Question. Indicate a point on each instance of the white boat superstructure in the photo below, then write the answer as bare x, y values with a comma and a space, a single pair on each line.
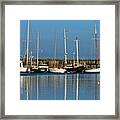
43, 66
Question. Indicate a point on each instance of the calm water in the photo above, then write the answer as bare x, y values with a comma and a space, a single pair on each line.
60, 87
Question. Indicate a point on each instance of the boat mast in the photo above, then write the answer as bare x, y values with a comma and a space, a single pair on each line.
73, 59
55, 47
31, 59
76, 44
38, 37
27, 47
95, 37
65, 53
96, 45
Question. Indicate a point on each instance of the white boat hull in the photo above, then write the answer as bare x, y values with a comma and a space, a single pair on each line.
57, 70
93, 70
23, 69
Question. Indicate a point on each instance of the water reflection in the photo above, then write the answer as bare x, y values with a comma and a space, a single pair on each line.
60, 87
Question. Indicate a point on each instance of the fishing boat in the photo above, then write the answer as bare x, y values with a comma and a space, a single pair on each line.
73, 68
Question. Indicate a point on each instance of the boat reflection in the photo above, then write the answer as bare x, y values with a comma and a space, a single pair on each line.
60, 87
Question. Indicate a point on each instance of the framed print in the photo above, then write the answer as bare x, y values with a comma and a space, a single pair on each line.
60, 59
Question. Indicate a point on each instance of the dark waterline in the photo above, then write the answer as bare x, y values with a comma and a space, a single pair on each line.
60, 86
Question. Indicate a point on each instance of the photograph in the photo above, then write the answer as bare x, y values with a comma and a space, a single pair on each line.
59, 59
60, 55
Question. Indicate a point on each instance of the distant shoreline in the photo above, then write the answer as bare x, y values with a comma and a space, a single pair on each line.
89, 63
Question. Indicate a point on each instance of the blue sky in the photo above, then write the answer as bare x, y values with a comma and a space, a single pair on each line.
48, 30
